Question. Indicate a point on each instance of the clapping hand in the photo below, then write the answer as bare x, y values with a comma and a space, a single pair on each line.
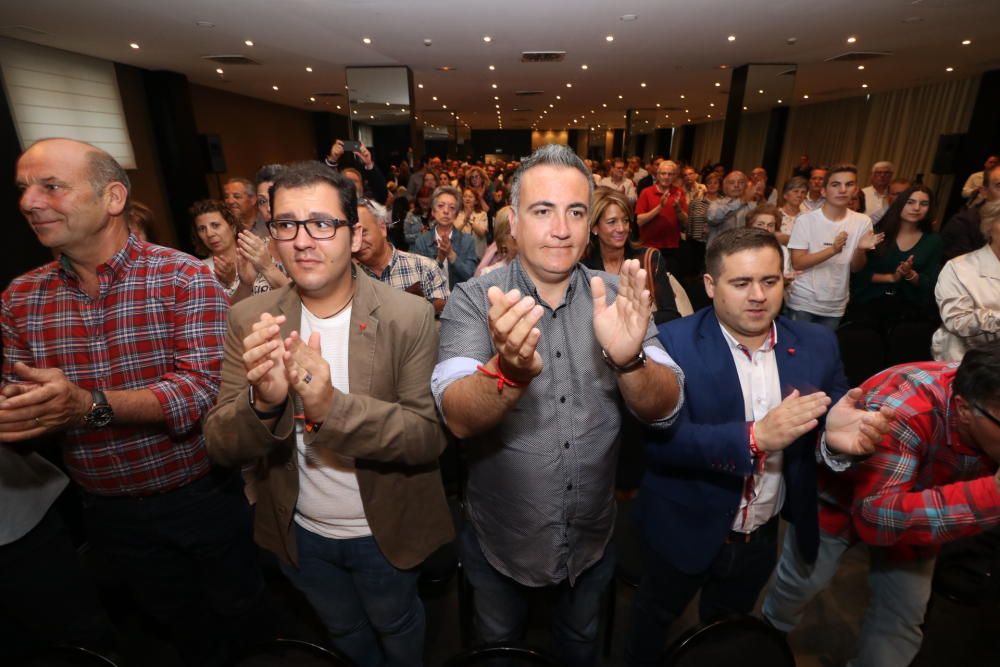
620, 328
254, 249
839, 241
905, 269
512, 320
853, 430
263, 352
308, 373
45, 401
870, 240
795, 416
225, 270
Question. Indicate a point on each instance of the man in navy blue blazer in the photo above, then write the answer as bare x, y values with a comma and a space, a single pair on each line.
743, 449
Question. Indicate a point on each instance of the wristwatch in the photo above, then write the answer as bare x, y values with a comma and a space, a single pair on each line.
638, 362
100, 414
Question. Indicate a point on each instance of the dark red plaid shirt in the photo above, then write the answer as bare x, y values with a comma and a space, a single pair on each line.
158, 324
923, 486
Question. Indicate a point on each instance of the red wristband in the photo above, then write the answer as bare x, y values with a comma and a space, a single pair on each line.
756, 451
500, 377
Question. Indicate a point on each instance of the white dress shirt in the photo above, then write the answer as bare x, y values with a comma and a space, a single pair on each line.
764, 491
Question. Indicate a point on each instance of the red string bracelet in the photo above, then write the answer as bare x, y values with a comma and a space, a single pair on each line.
755, 450
310, 426
500, 377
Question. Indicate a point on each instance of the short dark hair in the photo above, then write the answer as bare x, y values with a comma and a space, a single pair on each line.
838, 169
267, 173
310, 172
977, 379
732, 241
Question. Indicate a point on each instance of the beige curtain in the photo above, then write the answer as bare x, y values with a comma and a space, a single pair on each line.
750, 141
707, 144
828, 133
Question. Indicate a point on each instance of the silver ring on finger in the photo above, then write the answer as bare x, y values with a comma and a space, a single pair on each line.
308, 377
38, 421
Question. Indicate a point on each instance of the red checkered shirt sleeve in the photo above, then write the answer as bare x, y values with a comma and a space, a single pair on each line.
921, 487
188, 392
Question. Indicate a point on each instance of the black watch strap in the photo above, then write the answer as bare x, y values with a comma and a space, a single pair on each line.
638, 362
265, 414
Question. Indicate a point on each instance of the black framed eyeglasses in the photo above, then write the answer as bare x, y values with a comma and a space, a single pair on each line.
981, 410
318, 228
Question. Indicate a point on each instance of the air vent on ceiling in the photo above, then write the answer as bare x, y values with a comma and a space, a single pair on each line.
231, 59
854, 56
328, 94
528, 93
543, 56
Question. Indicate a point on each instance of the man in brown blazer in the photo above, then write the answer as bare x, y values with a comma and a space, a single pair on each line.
326, 388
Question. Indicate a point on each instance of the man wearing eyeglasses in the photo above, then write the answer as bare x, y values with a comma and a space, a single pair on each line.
932, 479
326, 385
454, 251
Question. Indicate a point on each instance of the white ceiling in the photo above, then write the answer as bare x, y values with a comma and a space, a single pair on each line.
676, 48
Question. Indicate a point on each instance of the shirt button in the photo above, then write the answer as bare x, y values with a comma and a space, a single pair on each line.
566, 445
554, 316
562, 399
569, 487
558, 354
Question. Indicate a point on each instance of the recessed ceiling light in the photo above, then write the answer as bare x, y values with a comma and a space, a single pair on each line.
709, 115
372, 117
717, 84
487, 39
583, 67
248, 42
711, 104
219, 70
687, 111
744, 108
604, 105
610, 38
498, 106
569, 85
666, 115
444, 106
434, 97
779, 101
723, 66
366, 40
420, 85
552, 106
492, 68
275, 87
864, 85
558, 97
861, 66
731, 38
134, 45
620, 97
805, 97
338, 106
312, 99
966, 42
387, 104
949, 69
852, 39
355, 111
682, 97
309, 69
657, 105
496, 97
643, 84
494, 85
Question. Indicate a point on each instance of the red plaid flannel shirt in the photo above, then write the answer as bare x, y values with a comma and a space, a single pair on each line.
158, 324
922, 487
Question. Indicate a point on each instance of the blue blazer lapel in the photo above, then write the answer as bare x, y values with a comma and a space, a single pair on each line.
717, 359
793, 362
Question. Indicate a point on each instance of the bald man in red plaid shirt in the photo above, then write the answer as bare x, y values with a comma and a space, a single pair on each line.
933, 479
117, 347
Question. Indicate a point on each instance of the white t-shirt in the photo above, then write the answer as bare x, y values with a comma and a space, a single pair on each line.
329, 501
873, 200
824, 289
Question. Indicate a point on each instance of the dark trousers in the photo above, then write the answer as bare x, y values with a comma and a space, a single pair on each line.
730, 585
502, 604
45, 596
190, 562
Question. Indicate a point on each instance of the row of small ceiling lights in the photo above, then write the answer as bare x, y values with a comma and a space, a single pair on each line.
367, 41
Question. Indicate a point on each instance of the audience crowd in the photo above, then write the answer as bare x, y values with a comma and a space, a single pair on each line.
581, 332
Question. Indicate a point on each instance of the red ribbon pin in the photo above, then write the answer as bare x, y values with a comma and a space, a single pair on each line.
791, 351
362, 326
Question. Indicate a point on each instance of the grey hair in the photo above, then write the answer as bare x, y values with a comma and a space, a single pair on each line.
445, 190
103, 170
555, 155
247, 184
380, 212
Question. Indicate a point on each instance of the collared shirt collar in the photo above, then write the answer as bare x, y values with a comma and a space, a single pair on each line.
116, 267
769, 343
527, 286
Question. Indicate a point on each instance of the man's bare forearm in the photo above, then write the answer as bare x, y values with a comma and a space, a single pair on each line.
651, 392
473, 405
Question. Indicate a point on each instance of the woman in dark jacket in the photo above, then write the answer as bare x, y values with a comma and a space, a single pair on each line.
611, 226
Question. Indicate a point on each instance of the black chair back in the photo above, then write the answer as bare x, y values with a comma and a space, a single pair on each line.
293, 653
508, 655
740, 640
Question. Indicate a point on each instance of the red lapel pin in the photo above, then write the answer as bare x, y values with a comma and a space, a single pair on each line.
791, 351
362, 326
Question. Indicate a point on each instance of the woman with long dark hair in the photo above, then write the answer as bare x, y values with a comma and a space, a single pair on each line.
897, 283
